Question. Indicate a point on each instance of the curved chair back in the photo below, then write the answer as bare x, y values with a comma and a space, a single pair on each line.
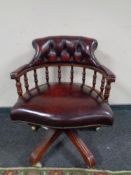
64, 51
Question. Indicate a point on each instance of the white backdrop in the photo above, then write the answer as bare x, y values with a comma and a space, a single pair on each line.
108, 21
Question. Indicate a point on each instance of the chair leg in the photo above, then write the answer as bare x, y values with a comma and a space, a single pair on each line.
82, 148
40, 150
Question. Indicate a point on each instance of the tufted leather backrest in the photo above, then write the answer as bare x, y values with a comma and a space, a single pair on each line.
64, 49
59, 51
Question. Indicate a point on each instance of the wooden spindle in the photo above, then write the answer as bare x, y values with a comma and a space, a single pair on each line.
47, 75
26, 82
72, 74
102, 85
59, 74
94, 79
83, 76
19, 87
35, 78
107, 90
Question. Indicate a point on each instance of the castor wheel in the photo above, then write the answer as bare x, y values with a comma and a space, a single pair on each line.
94, 128
38, 165
34, 128
44, 127
98, 128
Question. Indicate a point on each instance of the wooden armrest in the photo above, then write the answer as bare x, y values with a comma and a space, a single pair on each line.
15, 74
109, 74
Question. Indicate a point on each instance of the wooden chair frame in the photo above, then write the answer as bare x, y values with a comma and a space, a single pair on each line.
64, 51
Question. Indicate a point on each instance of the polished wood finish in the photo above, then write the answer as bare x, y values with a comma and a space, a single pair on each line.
72, 73
19, 87
63, 51
59, 74
51, 136
26, 82
82, 148
102, 85
107, 91
40, 150
94, 79
35, 78
47, 74
83, 76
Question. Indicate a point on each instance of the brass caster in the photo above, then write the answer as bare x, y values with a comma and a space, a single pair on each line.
44, 127
38, 165
97, 128
33, 128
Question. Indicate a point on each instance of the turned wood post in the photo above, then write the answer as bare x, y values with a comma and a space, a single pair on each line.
107, 90
19, 87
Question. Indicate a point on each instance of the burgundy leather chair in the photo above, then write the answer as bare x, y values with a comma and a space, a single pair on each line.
63, 106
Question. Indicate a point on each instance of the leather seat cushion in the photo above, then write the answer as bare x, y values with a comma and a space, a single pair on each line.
62, 105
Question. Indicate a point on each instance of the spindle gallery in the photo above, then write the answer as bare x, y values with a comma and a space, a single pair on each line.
63, 106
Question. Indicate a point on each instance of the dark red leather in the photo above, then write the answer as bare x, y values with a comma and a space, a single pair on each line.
64, 49
62, 105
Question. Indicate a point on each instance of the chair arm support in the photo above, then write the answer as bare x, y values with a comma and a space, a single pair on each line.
15, 74
110, 79
109, 74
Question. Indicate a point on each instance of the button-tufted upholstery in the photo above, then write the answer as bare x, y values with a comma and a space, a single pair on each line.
60, 106
65, 49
